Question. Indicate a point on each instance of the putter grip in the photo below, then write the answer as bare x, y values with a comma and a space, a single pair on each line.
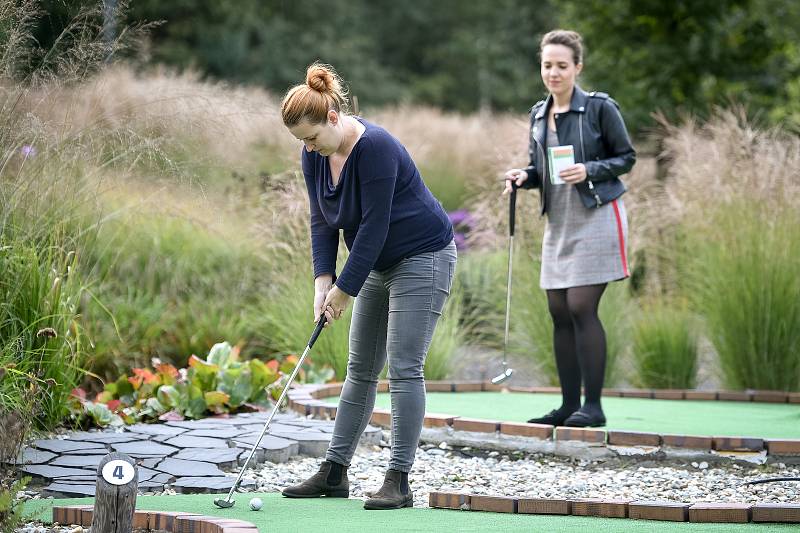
512, 209
317, 331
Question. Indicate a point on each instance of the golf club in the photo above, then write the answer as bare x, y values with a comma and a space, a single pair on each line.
512, 208
227, 501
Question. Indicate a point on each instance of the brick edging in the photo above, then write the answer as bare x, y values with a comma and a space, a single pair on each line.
320, 391
170, 522
609, 508
308, 400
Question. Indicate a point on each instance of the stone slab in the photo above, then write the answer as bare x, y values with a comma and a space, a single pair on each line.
209, 484
184, 441
156, 429
313, 443
218, 456
143, 448
78, 461
268, 442
66, 445
69, 490
105, 437
217, 433
181, 467
205, 423
58, 472
150, 462
32, 456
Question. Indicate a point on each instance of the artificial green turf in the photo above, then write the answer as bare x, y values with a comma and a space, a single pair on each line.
342, 516
712, 418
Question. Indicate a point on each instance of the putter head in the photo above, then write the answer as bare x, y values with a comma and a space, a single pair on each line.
224, 503
502, 377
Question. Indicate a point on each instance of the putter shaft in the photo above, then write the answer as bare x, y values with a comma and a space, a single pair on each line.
297, 367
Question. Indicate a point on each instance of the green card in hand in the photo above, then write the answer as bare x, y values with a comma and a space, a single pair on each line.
559, 158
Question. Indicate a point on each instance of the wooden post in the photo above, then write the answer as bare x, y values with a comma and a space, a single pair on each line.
115, 497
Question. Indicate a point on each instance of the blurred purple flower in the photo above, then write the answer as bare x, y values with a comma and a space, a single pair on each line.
461, 217
462, 222
28, 150
460, 240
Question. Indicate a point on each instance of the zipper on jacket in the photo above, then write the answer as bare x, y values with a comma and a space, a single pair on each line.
544, 161
583, 155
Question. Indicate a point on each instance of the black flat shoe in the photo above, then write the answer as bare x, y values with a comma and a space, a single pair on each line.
586, 419
556, 417
330, 481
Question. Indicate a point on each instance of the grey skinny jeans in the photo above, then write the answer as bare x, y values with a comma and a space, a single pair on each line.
394, 316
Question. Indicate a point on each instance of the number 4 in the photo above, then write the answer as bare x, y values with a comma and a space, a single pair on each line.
118, 472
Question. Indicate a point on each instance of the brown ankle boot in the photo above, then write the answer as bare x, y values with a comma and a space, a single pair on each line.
331, 481
391, 495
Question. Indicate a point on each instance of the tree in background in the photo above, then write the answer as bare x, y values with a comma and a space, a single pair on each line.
452, 54
685, 56
681, 56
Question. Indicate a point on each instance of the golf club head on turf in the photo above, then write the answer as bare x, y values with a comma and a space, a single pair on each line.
224, 503
502, 377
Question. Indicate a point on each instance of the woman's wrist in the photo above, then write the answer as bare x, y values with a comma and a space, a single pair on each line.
323, 282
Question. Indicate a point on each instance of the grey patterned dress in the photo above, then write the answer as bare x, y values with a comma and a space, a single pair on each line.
581, 246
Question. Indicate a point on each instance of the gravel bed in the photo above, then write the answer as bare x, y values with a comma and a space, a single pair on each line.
469, 470
463, 469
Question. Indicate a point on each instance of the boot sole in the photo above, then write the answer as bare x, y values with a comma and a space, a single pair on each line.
401, 505
593, 425
331, 494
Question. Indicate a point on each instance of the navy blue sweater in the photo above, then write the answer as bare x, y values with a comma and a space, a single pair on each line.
382, 205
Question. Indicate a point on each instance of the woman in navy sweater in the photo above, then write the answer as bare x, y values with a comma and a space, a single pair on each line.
362, 181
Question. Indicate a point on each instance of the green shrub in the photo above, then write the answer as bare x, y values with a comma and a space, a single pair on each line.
746, 286
449, 188
168, 287
615, 311
664, 348
481, 281
283, 316
531, 324
39, 296
11, 509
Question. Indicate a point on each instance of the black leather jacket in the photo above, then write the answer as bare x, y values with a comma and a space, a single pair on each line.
594, 127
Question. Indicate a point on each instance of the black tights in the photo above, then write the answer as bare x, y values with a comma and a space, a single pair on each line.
579, 342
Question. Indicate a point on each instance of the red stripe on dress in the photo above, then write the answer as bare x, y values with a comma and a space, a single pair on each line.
621, 236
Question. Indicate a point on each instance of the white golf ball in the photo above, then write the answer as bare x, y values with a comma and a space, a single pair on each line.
255, 504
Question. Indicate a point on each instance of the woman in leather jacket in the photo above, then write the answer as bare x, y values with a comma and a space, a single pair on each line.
584, 245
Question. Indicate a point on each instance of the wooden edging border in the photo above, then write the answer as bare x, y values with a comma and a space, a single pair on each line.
169, 522
607, 508
308, 400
